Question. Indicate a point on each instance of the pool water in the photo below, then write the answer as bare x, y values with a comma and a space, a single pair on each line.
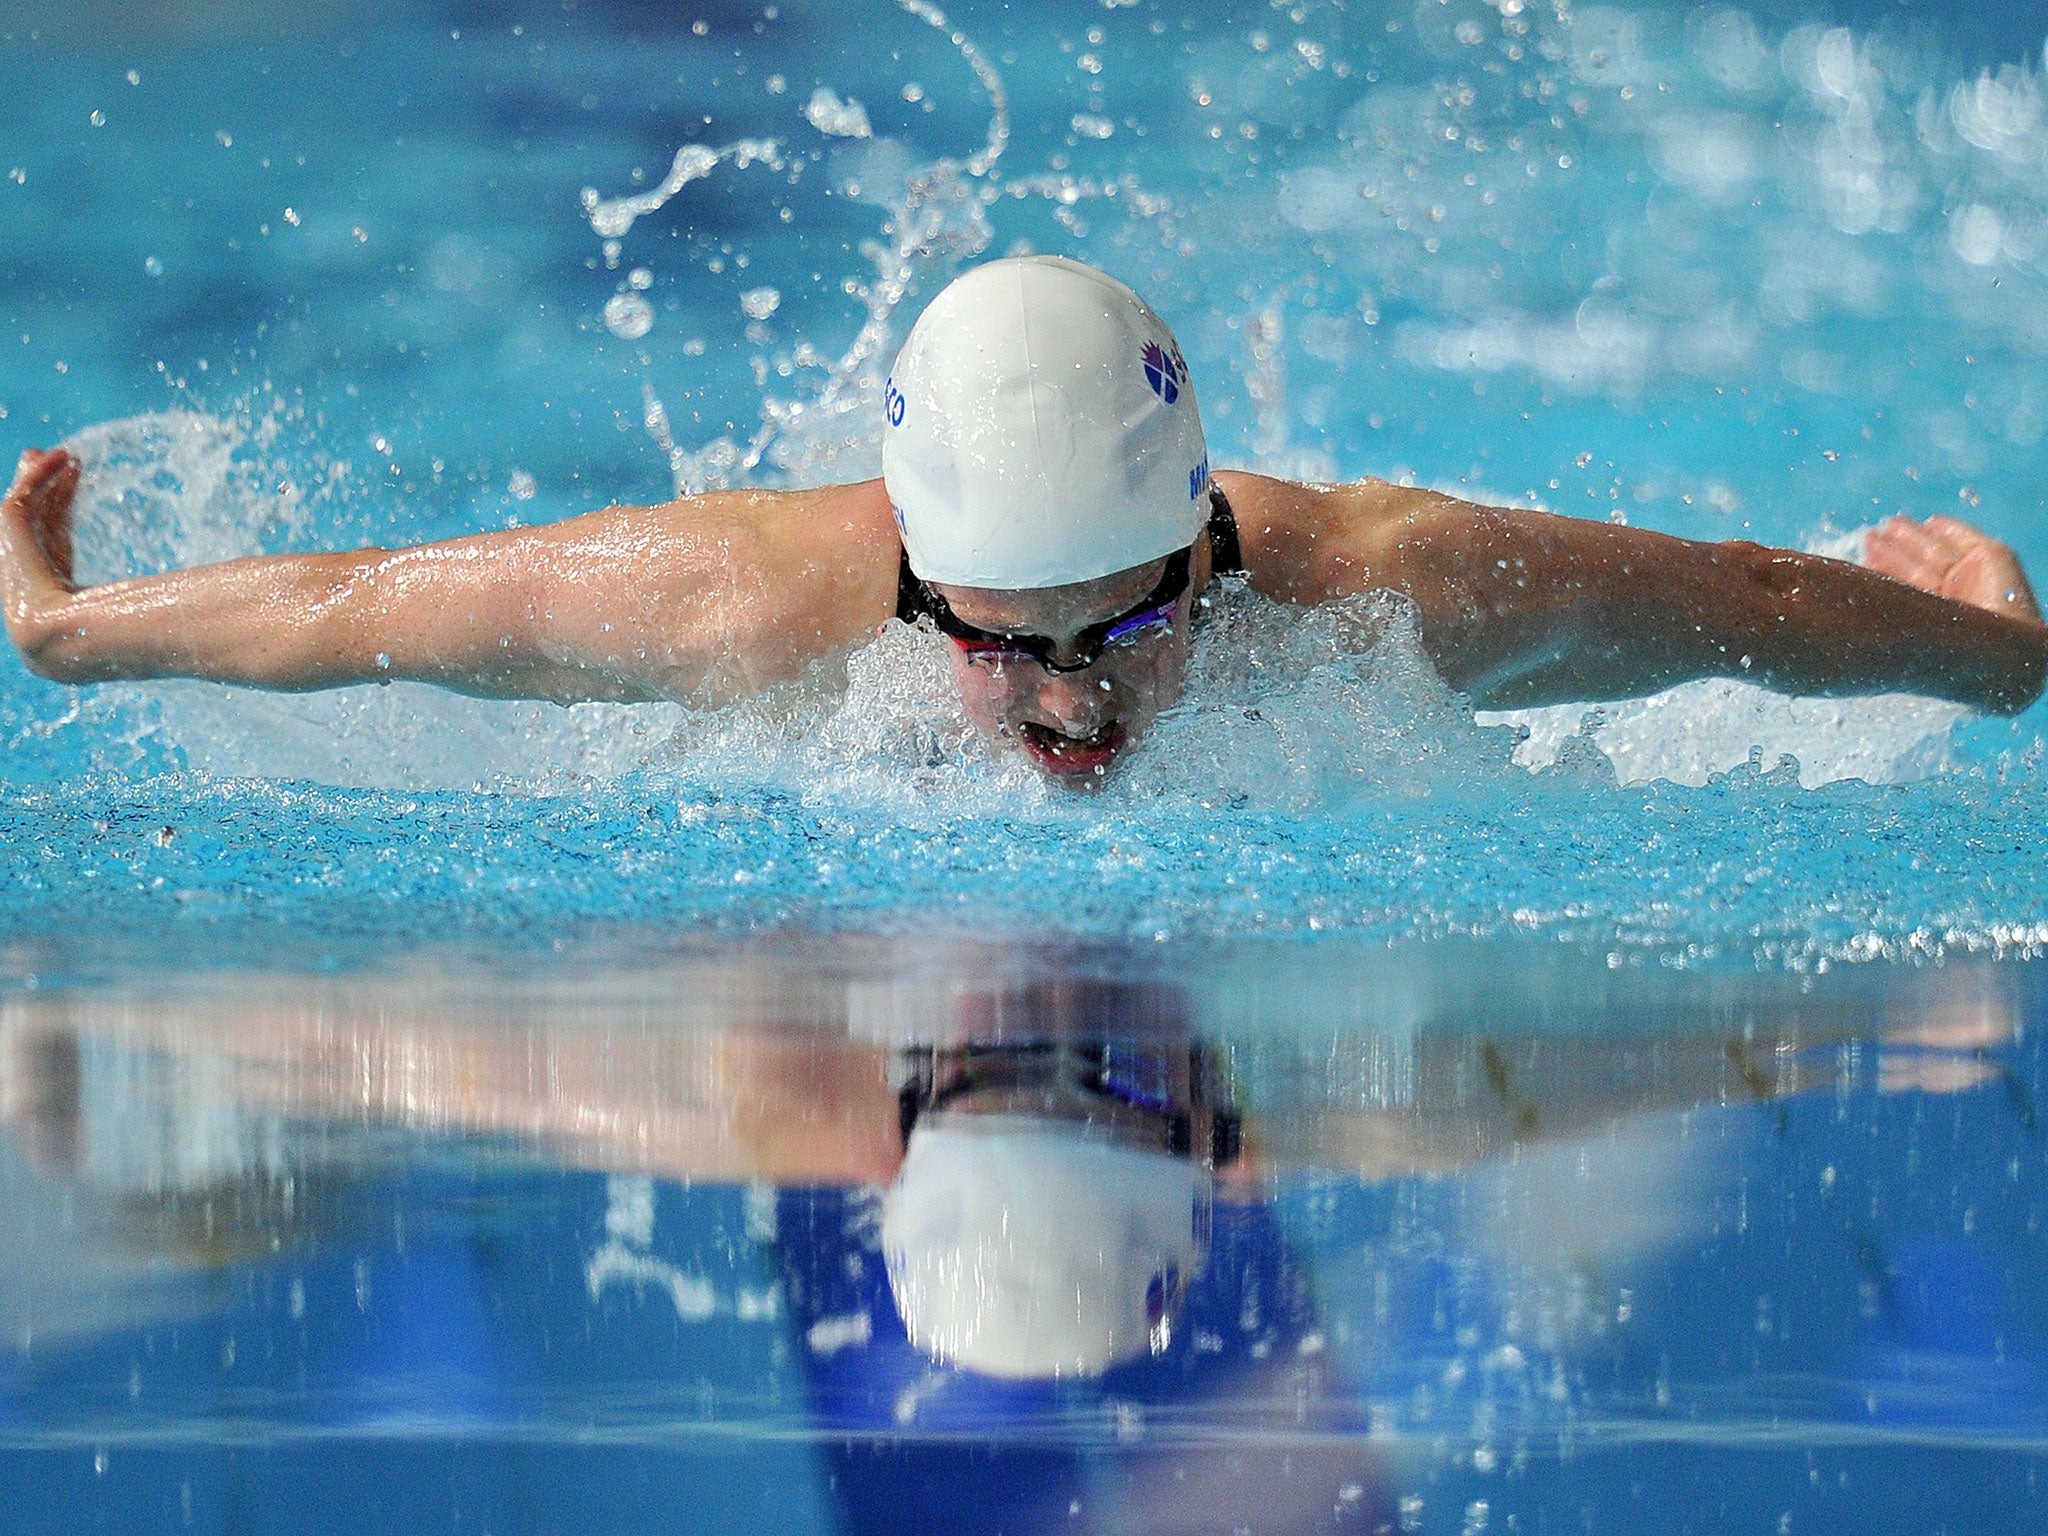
326, 277
439, 1248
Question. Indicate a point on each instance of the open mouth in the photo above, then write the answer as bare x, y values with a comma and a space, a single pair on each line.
1068, 756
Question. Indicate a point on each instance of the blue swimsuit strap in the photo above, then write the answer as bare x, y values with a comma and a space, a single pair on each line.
1226, 558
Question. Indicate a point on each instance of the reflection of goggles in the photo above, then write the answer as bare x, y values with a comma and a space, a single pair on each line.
1153, 611
1118, 1076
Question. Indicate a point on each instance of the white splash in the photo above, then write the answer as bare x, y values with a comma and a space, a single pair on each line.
612, 218
180, 488
835, 118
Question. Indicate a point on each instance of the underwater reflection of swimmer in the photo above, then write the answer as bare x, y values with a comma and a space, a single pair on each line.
129, 1177
1046, 503
1004, 1242
196, 1088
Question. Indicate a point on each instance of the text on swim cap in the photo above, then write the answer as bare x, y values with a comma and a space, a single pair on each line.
893, 402
1198, 478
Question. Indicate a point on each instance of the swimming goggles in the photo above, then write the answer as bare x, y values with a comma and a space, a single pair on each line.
1153, 611
1115, 1077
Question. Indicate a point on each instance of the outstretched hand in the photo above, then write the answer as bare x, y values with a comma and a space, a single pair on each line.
35, 534
35, 549
1949, 558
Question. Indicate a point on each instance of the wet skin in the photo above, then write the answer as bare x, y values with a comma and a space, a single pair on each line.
1073, 725
722, 596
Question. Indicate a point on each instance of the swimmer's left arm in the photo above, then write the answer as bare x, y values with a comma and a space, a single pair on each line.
1521, 608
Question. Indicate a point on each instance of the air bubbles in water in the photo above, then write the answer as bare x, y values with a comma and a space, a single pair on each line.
522, 486
628, 316
760, 303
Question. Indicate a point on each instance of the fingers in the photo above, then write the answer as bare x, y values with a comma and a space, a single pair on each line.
1936, 1073
41, 474
1942, 538
1907, 551
37, 459
1932, 549
38, 505
1957, 538
1950, 558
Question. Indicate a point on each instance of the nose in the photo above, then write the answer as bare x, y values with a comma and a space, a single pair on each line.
1076, 702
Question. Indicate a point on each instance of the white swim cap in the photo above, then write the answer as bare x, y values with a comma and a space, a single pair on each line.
1041, 429
1031, 1248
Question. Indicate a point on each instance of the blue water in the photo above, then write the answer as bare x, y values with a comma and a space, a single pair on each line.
321, 277
428, 1249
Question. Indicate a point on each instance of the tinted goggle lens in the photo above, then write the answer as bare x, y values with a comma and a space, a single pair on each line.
1154, 610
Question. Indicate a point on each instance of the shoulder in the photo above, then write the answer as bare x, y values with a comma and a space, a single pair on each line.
826, 557
853, 518
1308, 543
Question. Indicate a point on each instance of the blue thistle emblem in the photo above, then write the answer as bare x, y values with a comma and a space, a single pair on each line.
1164, 371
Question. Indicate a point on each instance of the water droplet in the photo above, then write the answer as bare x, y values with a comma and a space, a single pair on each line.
383, 661
227, 140
522, 485
628, 316
836, 118
291, 217
98, 118
760, 303
641, 278
134, 77
152, 266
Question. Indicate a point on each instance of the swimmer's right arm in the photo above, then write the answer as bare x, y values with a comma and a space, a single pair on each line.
689, 601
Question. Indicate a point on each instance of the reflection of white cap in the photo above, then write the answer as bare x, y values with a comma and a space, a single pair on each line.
1041, 429
1023, 1247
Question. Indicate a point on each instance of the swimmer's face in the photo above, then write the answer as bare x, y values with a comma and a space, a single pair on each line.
1072, 725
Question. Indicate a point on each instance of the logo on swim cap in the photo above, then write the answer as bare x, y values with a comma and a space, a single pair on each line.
893, 402
1164, 371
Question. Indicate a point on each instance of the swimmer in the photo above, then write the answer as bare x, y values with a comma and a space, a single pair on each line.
1046, 504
